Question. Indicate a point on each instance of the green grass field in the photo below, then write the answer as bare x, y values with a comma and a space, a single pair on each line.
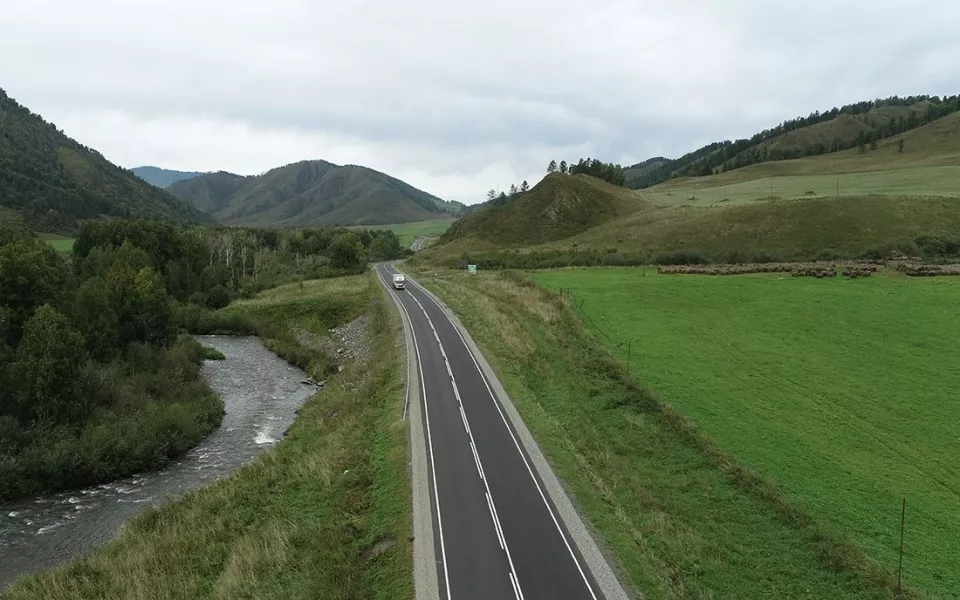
408, 232
921, 181
61, 244
682, 519
840, 391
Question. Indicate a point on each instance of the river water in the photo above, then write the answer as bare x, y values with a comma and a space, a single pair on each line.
261, 393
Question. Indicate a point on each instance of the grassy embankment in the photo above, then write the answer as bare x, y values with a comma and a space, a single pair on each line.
325, 513
837, 390
683, 518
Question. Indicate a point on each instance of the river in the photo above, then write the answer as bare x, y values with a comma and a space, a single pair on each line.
261, 394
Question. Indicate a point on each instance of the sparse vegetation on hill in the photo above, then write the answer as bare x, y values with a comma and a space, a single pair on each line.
55, 183
853, 126
556, 208
311, 194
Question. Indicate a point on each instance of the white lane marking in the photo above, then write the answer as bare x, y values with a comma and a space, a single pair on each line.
456, 393
516, 586
493, 515
516, 443
433, 469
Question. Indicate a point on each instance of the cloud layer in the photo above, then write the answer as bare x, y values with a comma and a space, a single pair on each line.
454, 97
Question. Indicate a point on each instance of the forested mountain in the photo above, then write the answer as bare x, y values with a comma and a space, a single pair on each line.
309, 194
856, 125
54, 182
163, 178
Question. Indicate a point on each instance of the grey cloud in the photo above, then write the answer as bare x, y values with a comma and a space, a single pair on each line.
454, 91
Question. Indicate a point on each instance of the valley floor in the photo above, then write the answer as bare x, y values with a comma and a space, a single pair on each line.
681, 516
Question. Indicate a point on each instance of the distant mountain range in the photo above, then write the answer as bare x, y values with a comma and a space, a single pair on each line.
311, 193
163, 178
54, 182
860, 125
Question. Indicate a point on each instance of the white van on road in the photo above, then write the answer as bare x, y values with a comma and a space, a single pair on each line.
398, 281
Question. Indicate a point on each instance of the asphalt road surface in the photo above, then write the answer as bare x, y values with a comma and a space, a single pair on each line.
497, 534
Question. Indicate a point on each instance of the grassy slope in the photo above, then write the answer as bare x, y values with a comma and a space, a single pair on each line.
795, 229
682, 519
934, 144
297, 521
836, 389
914, 182
885, 197
557, 207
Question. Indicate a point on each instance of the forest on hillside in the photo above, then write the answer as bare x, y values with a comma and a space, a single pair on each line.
728, 155
55, 182
98, 378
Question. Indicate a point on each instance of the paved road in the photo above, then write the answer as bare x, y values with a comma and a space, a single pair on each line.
496, 533
417, 244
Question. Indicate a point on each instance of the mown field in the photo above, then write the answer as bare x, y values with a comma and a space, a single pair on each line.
921, 181
683, 519
839, 391
408, 232
323, 514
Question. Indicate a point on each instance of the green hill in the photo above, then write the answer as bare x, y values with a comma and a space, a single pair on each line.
309, 194
163, 178
888, 197
853, 126
54, 182
556, 208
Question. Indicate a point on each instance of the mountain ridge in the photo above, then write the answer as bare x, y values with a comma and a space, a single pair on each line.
54, 182
163, 178
311, 193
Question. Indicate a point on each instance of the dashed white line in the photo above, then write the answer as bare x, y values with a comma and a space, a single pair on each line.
426, 414
466, 423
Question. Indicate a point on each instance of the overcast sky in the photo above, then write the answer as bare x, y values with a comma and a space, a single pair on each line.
455, 97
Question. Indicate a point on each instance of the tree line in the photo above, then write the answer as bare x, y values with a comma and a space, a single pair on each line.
92, 356
728, 155
609, 172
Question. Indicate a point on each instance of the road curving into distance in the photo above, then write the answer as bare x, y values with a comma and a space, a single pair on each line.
501, 525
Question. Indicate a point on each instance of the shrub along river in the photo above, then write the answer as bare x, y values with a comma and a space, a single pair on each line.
261, 394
